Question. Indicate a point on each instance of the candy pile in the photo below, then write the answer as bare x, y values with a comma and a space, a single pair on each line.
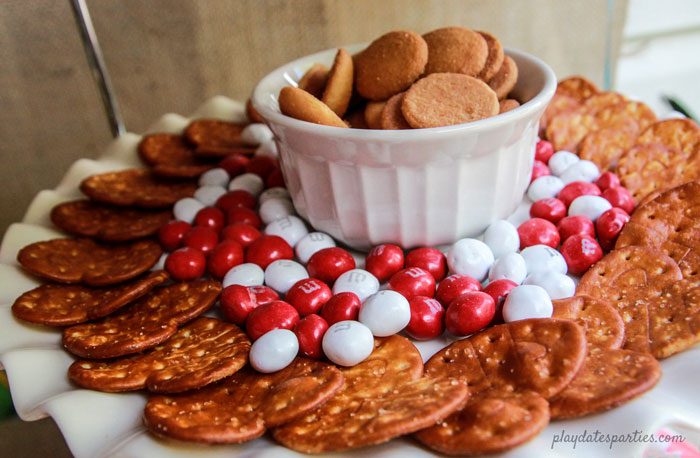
403, 80
573, 204
294, 291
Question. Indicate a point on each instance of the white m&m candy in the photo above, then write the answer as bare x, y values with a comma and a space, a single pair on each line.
267, 149
290, 228
248, 182
209, 194
274, 209
214, 177
247, 274
544, 187
385, 313
256, 133
357, 281
277, 193
543, 258
527, 301
348, 343
186, 209
581, 171
557, 285
281, 275
274, 350
470, 257
510, 267
311, 243
560, 161
502, 237
589, 206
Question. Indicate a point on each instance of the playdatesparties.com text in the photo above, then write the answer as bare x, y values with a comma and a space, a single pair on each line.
597, 436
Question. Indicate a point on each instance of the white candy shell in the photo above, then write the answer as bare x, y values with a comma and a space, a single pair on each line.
470, 257
281, 275
581, 171
510, 267
247, 182
527, 301
290, 228
274, 209
209, 194
215, 177
385, 313
357, 281
589, 206
348, 343
274, 350
312, 243
256, 134
557, 285
186, 209
560, 161
247, 274
543, 258
544, 187
502, 238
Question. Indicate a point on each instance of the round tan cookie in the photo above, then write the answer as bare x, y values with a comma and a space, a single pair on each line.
299, 104
456, 50
373, 114
314, 80
444, 99
391, 117
504, 80
390, 64
577, 87
507, 105
339, 86
495, 57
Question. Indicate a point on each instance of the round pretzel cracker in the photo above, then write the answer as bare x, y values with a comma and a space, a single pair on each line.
201, 352
597, 102
338, 90
560, 103
490, 424
608, 379
444, 99
241, 407
169, 156
85, 218
390, 64
299, 104
456, 50
598, 317
143, 325
682, 135
495, 57
383, 397
314, 80
604, 147
577, 87
633, 278
505, 78
135, 188
65, 305
87, 262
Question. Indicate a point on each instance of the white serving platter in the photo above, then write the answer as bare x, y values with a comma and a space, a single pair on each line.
110, 425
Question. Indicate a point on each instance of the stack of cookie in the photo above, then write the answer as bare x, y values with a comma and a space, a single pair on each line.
402, 80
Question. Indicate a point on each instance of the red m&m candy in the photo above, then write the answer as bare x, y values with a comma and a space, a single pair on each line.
201, 238
454, 286
469, 313
262, 166
273, 315
539, 169
171, 234
267, 249
538, 231
427, 318
499, 290
621, 198
210, 217
341, 307
235, 199
430, 259
551, 209
413, 281
186, 264
329, 264
234, 164
580, 253
607, 180
243, 233
308, 295
243, 215
609, 225
236, 303
383, 261
571, 191
575, 225
543, 151
263, 294
310, 331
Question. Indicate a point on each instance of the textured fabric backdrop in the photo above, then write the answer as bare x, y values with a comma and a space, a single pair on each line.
170, 55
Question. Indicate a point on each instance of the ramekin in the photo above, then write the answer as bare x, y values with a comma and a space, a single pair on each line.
420, 187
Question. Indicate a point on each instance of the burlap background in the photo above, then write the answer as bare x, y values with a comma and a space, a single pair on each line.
170, 55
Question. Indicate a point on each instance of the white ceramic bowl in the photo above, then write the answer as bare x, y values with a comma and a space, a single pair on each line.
409, 187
